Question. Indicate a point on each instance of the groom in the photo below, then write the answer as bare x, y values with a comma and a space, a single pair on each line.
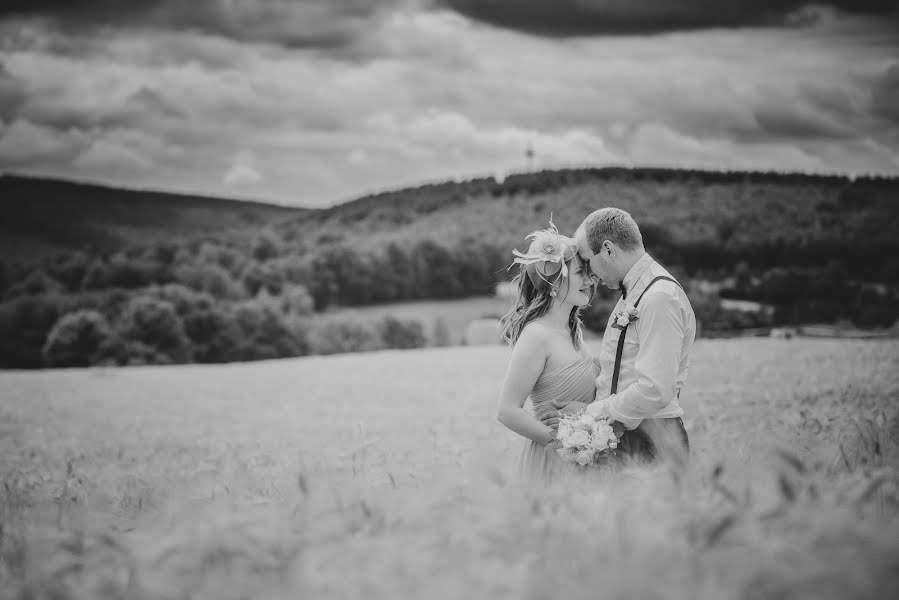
643, 373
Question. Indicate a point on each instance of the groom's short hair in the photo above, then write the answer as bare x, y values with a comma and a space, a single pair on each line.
612, 224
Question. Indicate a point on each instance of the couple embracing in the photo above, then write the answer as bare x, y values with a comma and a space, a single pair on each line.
633, 385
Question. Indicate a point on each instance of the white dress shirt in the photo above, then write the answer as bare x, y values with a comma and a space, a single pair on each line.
656, 353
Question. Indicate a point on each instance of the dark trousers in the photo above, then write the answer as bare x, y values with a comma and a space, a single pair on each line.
654, 439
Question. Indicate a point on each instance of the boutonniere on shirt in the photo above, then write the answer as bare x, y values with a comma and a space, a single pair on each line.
625, 316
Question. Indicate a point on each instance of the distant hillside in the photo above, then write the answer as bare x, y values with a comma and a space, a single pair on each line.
44, 216
751, 215
766, 218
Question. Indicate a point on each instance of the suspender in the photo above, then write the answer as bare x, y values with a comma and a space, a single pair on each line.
624, 332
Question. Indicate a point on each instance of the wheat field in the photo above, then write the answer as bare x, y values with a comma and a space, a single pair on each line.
386, 475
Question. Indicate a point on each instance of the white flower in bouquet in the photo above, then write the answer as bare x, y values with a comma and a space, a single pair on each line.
578, 438
584, 457
568, 455
603, 437
601, 429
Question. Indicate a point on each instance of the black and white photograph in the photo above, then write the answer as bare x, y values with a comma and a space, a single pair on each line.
452, 299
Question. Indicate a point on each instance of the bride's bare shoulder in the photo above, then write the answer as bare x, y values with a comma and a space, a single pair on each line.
535, 331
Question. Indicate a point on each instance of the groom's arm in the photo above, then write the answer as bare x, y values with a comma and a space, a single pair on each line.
660, 331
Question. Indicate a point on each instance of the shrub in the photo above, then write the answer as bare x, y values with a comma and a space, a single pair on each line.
184, 299
890, 271
78, 339
873, 309
155, 323
264, 333
231, 260
213, 335
297, 269
97, 276
4, 278
257, 276
210, 278
266, 246
71, 270
132, 273
25, 323
297, 300
269, 302
440, 336
335, 335
299, 328
163, 253
210, 330
109, 303
396, 333
36, 282
135, 353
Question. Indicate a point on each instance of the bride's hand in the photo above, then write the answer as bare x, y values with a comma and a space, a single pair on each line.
569, 408
550, 418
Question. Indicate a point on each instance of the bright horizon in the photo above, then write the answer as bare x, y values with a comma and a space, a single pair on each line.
275, 202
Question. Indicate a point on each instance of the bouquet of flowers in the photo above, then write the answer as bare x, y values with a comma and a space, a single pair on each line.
587, 435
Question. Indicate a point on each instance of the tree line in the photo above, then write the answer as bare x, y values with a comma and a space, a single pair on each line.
219, 301
213, 302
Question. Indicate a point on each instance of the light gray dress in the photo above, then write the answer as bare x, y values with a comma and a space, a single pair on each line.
569, 383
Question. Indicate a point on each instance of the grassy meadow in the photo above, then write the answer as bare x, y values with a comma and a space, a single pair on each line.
386, 475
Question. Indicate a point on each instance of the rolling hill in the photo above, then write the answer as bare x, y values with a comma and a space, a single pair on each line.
46, 216
748, 214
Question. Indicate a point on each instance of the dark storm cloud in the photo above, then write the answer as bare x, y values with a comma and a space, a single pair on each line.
77, 7
784, 121
299, 23
12, 94
828, 99
885, 95
584, 17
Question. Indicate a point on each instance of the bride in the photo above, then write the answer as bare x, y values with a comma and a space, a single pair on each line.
549, 362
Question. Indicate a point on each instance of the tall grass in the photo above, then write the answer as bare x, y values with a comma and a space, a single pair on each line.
797, 496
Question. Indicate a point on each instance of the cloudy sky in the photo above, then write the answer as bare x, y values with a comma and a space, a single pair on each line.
312, 102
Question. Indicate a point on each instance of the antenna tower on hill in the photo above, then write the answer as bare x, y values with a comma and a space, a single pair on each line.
529, 157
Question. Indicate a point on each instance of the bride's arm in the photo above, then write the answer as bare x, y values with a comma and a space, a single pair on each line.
528, 359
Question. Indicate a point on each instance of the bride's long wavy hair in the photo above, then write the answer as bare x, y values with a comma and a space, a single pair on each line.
533, 301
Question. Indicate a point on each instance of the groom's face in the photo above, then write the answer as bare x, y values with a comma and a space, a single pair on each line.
600, 264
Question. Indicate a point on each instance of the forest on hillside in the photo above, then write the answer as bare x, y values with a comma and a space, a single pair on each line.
95, 275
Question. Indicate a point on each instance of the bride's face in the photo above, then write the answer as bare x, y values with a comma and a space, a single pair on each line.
580, 284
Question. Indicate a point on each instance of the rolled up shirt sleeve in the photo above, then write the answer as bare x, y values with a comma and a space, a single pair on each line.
660, 329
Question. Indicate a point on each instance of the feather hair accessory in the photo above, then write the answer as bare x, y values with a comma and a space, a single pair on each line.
547, 255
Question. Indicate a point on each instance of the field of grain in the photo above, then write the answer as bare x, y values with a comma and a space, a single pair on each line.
386, 475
